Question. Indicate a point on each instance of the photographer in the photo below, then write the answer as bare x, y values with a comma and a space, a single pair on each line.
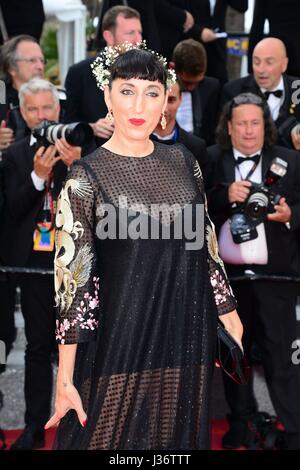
32, 181
242, 165
21, 59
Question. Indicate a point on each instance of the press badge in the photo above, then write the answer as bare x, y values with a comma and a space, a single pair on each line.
43, 237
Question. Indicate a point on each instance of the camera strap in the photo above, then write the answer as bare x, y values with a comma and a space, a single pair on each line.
250, 173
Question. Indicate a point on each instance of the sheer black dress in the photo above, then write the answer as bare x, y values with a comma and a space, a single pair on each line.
142, 308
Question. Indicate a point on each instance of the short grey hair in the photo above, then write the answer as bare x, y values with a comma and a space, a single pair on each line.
36, 85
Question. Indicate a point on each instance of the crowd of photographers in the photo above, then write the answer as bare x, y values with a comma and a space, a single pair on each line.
246, 138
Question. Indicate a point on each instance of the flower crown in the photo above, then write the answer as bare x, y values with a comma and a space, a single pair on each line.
102, 64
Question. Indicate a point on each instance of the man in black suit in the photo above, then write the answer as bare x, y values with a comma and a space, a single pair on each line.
283, 17
169, 132
148, 19
85, 102
267, 307
209, 18
200, 98
270, 81
32, 181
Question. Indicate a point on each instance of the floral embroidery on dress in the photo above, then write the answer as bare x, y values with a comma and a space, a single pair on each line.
224, 298
220, 287
85, 318
212, 245
69, 274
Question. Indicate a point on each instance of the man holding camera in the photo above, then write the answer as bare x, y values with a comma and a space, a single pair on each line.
263, 258
32, 181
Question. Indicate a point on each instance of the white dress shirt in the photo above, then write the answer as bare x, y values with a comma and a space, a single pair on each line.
212, 7
253, 251
38, 182
274, 102
184, 115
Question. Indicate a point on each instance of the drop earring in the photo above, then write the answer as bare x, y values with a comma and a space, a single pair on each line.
163, 121
110, 116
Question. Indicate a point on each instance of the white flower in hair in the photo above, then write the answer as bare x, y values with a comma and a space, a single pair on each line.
102, 64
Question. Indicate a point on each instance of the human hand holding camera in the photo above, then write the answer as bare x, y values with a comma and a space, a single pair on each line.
103, 128
6, 136
295, 136
282, 212
44, 161
68, 153
239, 191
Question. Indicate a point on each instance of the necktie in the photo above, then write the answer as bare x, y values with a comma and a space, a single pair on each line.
254, 159
277, 93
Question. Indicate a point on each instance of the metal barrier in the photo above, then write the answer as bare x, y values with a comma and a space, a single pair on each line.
18, 270
245, 277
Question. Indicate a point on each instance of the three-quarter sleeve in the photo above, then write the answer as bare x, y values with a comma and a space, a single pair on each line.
75, 264
224, 298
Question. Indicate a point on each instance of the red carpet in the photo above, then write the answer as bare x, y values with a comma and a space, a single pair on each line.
219, 428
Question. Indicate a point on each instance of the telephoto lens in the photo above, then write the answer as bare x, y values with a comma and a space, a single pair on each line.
76, 133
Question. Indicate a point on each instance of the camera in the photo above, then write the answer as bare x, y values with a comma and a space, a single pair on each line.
76, 133
260, 202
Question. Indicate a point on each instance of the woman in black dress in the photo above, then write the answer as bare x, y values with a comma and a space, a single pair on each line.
137, 300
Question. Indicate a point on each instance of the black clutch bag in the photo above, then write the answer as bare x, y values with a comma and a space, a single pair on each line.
230, 357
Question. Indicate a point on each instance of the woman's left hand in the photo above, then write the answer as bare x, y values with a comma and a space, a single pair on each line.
233, 325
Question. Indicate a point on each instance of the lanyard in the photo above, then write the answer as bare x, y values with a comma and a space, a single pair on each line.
250, 173
47, 208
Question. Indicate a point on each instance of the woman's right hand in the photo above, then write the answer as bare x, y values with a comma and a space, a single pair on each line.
67, 398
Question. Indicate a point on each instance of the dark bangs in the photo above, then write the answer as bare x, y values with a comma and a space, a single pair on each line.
141, 64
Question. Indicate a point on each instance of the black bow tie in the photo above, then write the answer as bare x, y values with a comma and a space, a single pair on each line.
254, 159
277, 93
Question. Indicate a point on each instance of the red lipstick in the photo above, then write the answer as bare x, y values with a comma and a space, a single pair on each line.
137, 122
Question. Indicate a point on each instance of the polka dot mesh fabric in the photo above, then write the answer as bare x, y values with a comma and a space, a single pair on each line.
143, 312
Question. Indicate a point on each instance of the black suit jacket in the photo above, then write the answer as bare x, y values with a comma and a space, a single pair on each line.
172, 17
283, 17
85, 101
282, 243
205, 102
289, 114
22, 203
23, 17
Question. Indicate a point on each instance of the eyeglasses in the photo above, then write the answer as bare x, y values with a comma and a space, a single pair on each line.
33, 60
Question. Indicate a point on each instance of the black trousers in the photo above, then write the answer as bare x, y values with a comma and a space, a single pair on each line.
268, 312
37, 303
7, 309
